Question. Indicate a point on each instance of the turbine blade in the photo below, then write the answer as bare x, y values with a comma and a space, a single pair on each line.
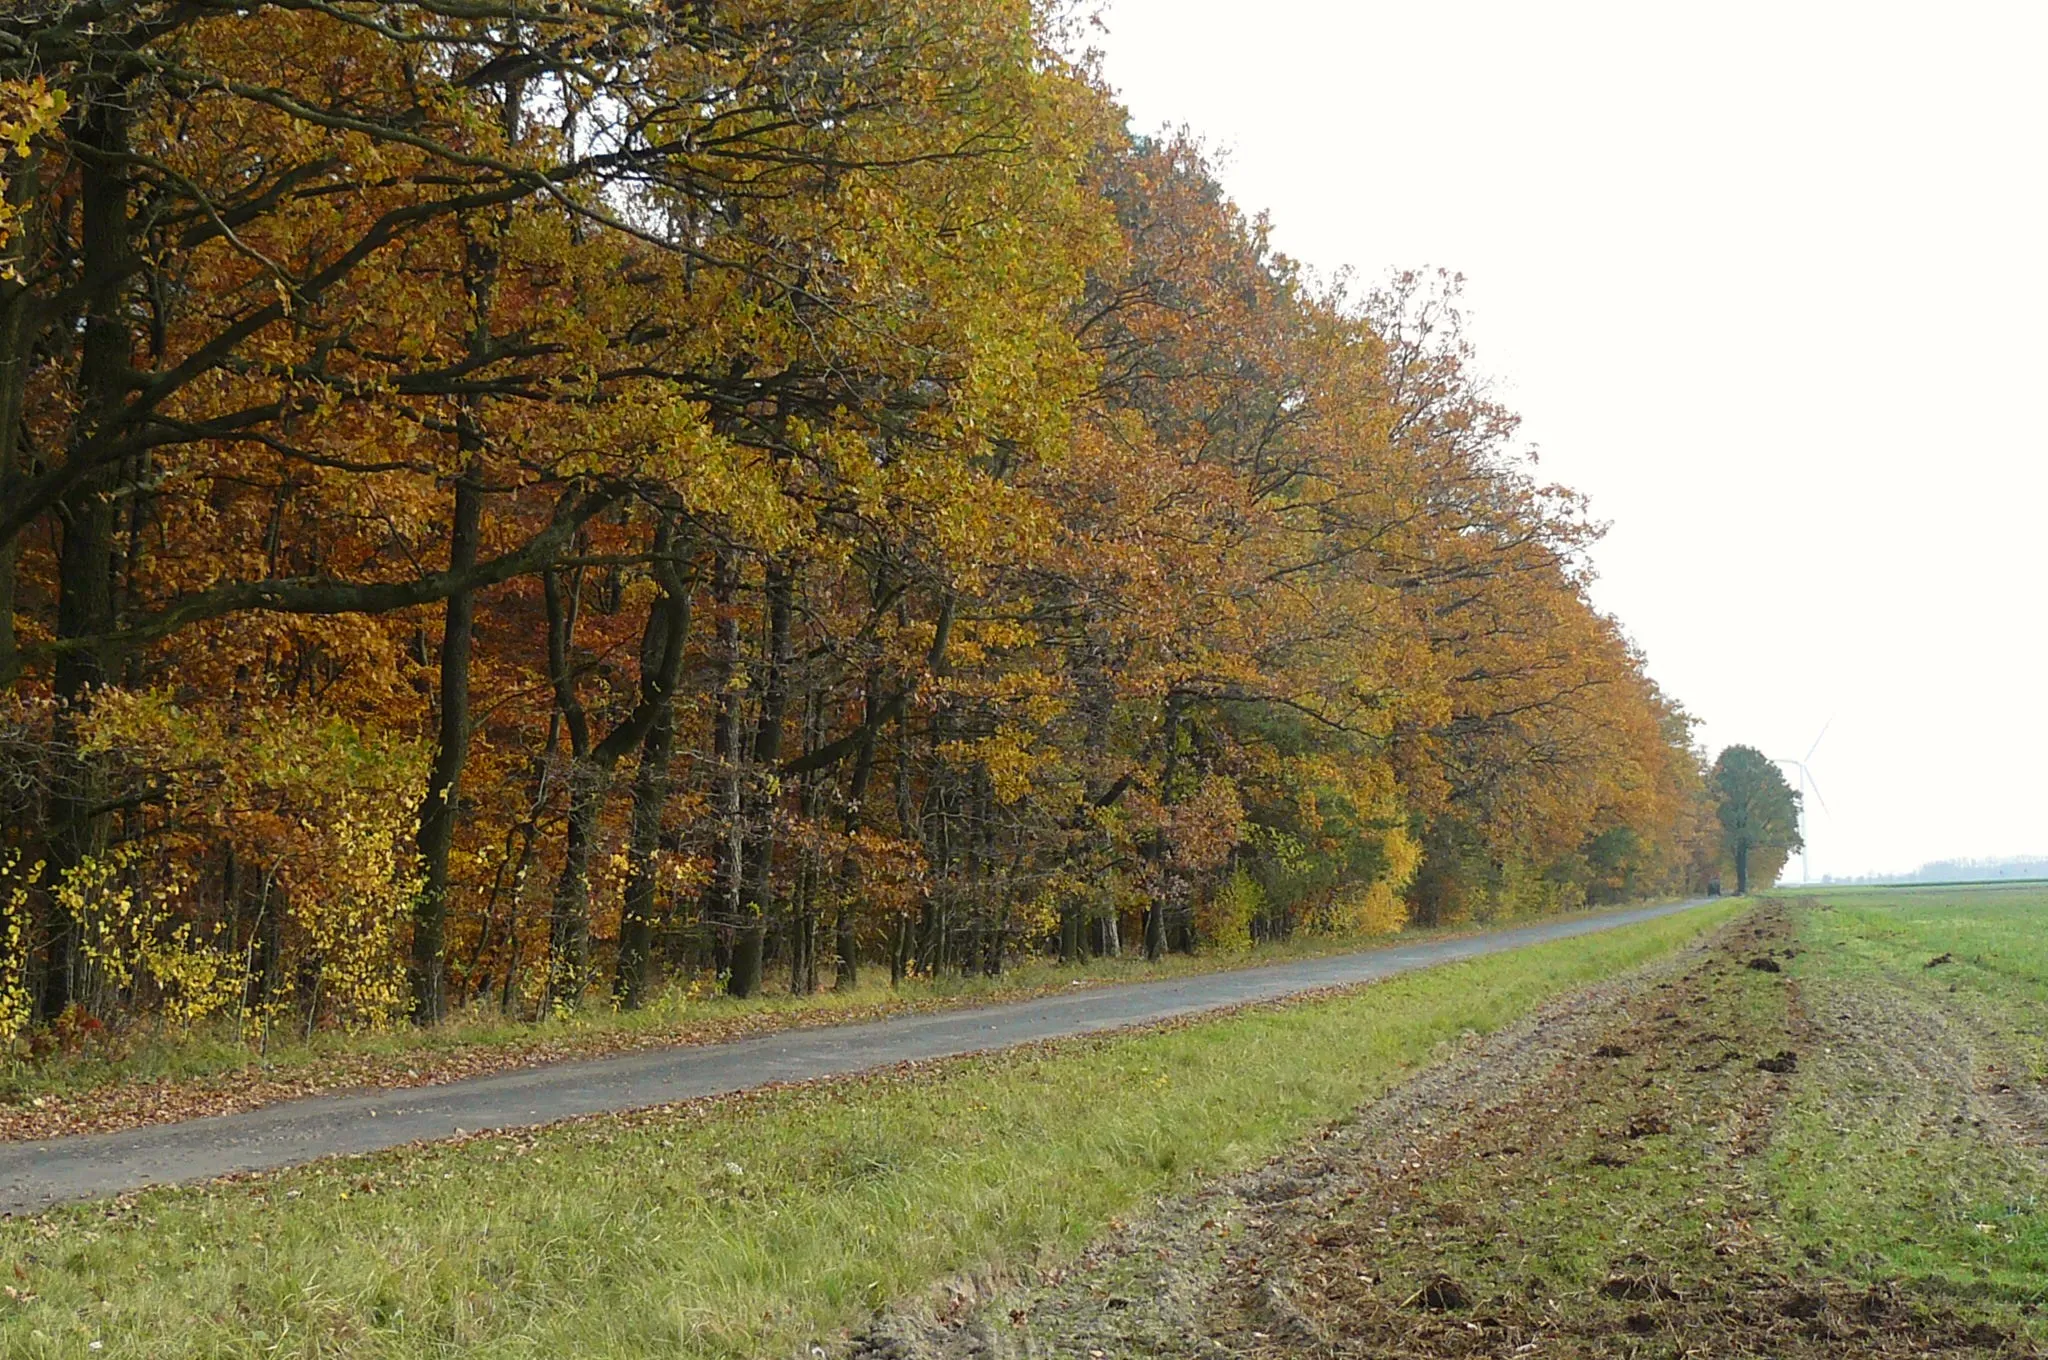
1822, 737
1808, 776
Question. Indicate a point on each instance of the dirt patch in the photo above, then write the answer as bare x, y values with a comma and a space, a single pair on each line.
1947, 1058
1578, 1184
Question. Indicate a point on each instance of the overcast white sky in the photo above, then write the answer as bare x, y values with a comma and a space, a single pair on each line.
1768, 282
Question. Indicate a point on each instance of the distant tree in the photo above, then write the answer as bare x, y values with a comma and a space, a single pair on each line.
1759, 811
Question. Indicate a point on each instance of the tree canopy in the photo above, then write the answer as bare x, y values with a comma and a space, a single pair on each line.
507, 501
1759, 815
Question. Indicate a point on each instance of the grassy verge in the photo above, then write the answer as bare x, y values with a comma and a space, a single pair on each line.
142, 1077
753, 1227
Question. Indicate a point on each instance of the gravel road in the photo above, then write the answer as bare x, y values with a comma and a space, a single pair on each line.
35, 1175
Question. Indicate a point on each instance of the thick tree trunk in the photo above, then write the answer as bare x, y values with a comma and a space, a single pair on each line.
749, 942
1741, 868
85, 586
439, 810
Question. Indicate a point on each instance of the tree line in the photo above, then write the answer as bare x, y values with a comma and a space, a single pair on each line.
507, 502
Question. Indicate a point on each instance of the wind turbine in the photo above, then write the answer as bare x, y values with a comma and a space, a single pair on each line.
1806, 780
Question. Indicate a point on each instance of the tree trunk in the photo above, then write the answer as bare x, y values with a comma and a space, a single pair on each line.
569, 916
1161, 851
900, 943
845, 944
650, 797
636, 926
719, 907
1155, 932
758, 859
438, 810
803, 931
1741, 868
803, 962
85, 597
591, 766
14, 369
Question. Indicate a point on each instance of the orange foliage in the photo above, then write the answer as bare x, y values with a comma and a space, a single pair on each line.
779, 481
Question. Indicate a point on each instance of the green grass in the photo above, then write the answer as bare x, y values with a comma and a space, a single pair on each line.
756, 1226
1996, 938
1879, 1164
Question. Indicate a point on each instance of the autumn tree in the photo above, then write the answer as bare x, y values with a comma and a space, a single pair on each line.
507, 503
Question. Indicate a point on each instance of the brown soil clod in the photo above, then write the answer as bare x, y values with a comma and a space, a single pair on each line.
1441, 1294
1762, 964
1610, 1051
1781, 1062
1938, 960
1984, 1335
